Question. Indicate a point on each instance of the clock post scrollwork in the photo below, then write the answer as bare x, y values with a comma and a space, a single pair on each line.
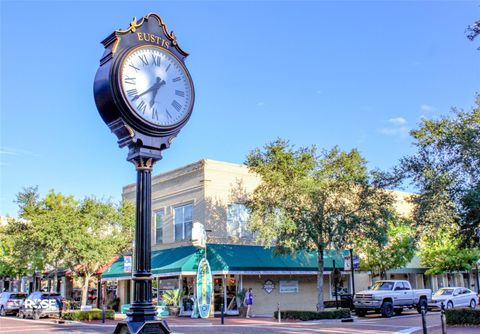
144, 132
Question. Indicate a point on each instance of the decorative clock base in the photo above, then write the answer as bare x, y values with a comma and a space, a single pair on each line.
147, 327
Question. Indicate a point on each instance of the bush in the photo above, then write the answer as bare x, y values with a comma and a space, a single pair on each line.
463, 316
94, 314
313, 315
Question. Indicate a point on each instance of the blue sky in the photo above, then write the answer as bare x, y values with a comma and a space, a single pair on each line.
354, 74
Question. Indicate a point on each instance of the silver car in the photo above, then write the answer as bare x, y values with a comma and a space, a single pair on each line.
10, 302
454, 297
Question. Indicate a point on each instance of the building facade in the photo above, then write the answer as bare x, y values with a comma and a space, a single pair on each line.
214, 193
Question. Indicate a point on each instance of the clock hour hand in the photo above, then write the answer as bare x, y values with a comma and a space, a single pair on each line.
160, 84
155, 87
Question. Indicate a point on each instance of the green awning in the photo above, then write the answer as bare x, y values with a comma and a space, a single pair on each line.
230, 259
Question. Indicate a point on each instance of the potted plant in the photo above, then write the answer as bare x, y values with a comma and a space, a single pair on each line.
172, 300
242, 308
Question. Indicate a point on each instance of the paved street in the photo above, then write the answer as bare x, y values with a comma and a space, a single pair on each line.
408, 323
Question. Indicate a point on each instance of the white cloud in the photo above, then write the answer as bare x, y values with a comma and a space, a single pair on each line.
16, 152
427, 108
397, 121
402, 131
260, 104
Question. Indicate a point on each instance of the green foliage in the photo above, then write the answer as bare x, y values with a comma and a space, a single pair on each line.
473, 30
441, 252
94, 314
341, 313
172, 297
446, 171
306, 202
61, 232
464, 316
396, 252
17, 255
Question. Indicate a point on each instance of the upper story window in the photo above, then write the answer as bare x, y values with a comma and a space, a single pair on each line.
237, 217
183, 222
159, 216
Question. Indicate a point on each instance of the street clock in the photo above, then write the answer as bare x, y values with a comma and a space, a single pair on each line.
144, 93
143, 90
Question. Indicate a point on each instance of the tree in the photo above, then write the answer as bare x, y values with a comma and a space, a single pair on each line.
473, 30
379, 256
17, 256
311, 203
104, 230
442, 252
51, 227
446, 171
66, 233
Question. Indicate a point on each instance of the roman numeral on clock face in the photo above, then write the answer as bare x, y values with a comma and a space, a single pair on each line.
180, 93
142, 106
176, 79
132, 92
130, 81
176, 105
168, 114
144, 60
156, 60
168, 67
154, 114
133, 66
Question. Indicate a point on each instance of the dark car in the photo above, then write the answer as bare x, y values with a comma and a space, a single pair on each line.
10, 302
41, 304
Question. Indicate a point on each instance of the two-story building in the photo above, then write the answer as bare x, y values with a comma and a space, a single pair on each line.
214, 194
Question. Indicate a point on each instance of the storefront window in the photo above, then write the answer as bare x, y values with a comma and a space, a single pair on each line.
183, 222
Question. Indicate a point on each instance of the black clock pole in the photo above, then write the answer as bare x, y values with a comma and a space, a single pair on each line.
142, 314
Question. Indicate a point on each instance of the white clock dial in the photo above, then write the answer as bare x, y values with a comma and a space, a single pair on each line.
156, 86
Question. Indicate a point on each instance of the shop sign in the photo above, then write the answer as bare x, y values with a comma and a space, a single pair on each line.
268, 286
288, 286
199, 236
127, 264
347, 263
167, 284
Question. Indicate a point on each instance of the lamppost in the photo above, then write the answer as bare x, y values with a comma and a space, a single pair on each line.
145, 94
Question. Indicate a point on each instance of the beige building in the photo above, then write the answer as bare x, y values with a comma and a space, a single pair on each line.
213, 193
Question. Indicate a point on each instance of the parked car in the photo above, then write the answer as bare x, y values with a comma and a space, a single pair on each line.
389, 297
10, 302
454, 297
41, 304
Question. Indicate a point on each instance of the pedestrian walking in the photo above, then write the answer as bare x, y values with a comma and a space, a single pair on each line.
249, 301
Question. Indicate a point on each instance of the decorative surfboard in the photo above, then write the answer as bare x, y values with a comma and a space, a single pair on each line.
204, 288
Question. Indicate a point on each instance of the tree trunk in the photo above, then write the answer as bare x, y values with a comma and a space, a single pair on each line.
55, 281
320, 305
86, 281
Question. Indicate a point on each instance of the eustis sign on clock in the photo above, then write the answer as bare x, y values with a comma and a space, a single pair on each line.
156, 86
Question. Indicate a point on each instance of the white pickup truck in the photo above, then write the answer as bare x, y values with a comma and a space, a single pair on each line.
389, 297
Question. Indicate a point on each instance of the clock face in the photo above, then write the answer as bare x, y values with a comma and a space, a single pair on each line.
156, 86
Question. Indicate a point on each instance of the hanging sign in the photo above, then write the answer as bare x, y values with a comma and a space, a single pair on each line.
127, 264
347, 263
204, 288
199, 236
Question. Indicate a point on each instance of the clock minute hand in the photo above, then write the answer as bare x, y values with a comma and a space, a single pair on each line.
145, 92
